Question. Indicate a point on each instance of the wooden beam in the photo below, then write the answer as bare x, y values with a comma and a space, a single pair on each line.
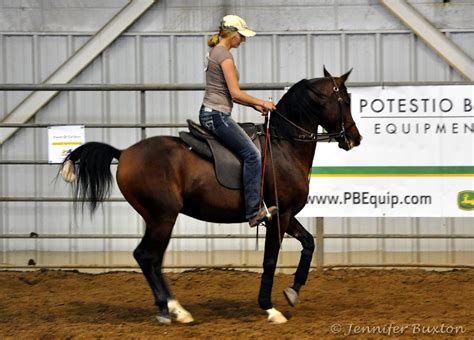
435, 39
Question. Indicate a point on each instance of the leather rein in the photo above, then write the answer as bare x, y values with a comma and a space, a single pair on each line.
311, 137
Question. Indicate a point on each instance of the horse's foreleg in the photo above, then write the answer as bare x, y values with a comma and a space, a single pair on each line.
270, 258
296, 230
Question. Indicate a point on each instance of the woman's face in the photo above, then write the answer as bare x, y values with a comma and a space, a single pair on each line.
237, 39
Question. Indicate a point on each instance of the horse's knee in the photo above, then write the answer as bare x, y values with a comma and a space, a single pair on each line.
140, 255
307, 252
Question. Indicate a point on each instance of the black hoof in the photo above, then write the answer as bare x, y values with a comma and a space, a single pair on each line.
164, 319
291, 296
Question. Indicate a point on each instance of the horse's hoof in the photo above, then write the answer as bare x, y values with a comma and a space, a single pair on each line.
275, 317
184, 318
181, 314
291, 296
166, 320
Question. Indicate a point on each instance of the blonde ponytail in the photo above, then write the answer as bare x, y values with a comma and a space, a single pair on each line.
224, 34
214, 40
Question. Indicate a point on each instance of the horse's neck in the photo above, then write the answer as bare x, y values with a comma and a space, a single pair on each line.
295, 106
301, 153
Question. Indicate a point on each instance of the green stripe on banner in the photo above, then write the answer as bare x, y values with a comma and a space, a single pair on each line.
392, 171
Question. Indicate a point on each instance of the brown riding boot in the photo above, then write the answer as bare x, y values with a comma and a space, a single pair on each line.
263, 216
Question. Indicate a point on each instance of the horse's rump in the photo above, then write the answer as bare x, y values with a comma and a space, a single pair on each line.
162, 172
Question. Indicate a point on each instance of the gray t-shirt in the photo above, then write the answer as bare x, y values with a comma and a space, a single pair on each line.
217, 95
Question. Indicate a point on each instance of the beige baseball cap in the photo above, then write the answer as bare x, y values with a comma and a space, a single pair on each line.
236, 23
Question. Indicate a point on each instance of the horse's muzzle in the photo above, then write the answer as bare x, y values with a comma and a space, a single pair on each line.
349, 141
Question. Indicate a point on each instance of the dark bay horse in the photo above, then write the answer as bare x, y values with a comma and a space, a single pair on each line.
161, 178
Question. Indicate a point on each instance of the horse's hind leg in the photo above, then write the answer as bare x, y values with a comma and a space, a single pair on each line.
149, 255
296, 230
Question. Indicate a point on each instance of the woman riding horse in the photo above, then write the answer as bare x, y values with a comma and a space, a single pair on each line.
161, 178
222, 87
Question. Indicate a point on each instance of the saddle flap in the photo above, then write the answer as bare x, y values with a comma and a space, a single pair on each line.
227, 166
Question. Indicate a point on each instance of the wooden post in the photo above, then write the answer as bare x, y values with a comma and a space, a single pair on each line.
319, 243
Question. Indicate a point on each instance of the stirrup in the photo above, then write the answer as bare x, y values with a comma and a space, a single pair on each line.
264, 215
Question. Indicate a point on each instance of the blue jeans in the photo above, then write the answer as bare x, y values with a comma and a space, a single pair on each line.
231, 135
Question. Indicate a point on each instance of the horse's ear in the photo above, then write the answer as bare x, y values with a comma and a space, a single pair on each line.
326, 73
346, 75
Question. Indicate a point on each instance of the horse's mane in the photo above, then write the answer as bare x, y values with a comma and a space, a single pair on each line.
297, 105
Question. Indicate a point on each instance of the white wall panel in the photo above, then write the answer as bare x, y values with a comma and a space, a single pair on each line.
466, 42
18, 52
158, 68
256, 62
396, 53
121, 107
292, 54
361, 55
326, 50
188, 68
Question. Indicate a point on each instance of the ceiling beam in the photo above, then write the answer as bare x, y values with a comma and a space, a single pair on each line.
435, 39
75, 64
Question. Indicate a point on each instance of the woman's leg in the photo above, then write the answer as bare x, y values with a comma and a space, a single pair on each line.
235, 138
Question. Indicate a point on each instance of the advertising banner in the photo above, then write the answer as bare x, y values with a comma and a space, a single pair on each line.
416, 158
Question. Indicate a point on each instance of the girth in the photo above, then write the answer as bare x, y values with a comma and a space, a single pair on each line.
227, 165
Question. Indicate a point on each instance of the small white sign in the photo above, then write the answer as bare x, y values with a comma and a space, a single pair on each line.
62, 140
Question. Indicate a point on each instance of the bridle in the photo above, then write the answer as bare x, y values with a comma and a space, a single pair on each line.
311, 137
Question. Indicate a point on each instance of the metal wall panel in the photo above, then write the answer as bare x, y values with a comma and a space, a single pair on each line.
295, 40
395, 51
327, 50
158, 68
361, 55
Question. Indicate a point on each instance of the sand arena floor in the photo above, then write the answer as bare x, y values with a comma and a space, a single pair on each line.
334, 303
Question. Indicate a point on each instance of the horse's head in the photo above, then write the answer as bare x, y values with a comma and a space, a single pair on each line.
335, 116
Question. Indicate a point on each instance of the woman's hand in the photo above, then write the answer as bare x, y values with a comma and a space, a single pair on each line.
269, 106
265, 107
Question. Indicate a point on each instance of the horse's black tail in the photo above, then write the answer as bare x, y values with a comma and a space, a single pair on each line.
89, 165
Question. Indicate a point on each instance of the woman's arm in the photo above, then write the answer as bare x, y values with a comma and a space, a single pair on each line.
237, 94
